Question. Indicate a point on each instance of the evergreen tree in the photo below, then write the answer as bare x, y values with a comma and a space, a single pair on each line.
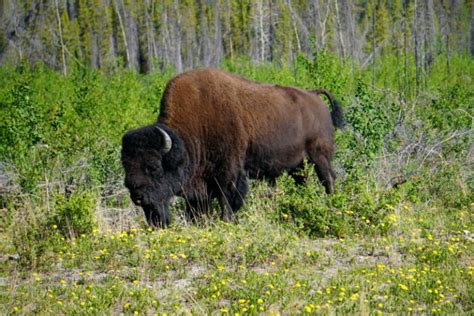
283, 38
141, 34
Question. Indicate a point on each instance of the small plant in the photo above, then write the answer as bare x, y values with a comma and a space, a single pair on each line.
75, 214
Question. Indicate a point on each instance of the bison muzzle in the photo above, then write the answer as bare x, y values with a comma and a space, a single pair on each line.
214, 130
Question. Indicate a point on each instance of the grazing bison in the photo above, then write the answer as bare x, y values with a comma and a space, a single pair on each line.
214, 129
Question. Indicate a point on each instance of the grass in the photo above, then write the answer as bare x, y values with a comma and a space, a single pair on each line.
423, 264
396, 237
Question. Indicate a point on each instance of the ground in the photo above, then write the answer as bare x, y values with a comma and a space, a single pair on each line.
423, 264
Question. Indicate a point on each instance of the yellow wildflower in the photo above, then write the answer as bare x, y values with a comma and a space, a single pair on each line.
403, 287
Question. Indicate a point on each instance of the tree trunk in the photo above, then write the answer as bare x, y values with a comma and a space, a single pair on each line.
415, 43
261, 31
204, 42
63, 47
472, 30
178, 62
373, 44
448, 29
270, 32
339, 29
124, 35
218, 47
405, 59
351, 22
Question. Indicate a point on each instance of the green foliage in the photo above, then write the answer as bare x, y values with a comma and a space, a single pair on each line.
381, 27
75, 213
29, 240
443, 186
353, 209
18, 129
328, 72
50, 122
31, 234
372, 118
451, 110
397, 229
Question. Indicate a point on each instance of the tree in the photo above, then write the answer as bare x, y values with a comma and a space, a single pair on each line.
122, 32
472, 30
283, 39
339, 30
135, 34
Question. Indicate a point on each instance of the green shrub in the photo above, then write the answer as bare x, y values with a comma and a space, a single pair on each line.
370, 119
327, 71
352, 209
75, 214
452, 109
31, 233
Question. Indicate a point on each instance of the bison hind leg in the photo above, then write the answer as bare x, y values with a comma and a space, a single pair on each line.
321, 158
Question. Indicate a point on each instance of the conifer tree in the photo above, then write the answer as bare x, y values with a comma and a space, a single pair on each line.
139, 34
283, 38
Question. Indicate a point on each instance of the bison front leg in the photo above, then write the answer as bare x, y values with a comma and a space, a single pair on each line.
233, 196
197, 206
157, 217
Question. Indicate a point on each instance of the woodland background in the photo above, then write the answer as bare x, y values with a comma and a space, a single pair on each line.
396, 237
149, 35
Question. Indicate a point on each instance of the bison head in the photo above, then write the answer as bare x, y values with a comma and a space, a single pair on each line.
155, 161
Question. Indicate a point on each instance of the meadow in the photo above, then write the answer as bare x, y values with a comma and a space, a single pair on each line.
395, 238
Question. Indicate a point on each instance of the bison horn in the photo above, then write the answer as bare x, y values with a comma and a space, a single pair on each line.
167, 139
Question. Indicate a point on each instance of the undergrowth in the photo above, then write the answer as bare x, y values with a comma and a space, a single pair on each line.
395, 237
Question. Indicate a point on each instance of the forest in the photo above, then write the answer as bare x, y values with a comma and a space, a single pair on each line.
396, 236
150, 35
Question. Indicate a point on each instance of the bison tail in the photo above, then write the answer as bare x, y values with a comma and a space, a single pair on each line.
337, 115
336, 109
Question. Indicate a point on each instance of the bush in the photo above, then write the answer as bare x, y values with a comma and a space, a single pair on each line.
31, 232
75, 214
353, 209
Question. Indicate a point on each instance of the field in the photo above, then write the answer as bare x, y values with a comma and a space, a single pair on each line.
396, 237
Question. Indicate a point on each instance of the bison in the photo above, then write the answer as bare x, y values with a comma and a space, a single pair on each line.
214, 130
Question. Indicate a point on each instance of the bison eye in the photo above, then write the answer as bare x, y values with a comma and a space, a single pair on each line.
150, 169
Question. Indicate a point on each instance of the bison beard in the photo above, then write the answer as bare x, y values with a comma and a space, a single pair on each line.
214, 129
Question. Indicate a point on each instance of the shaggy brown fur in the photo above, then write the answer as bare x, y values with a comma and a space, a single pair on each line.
230, 127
